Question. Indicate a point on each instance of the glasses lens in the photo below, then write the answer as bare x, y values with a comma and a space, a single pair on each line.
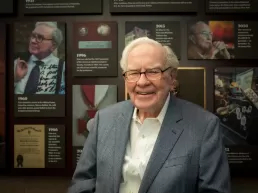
153, 74
38, 38
132, 76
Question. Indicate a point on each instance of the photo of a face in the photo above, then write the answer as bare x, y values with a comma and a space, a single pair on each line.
39, 58
211, 40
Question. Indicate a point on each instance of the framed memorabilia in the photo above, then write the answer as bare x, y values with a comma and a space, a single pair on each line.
153, 6
39, 69
236, 104
95, 49
2, 96
222, 40
87, 100
231, 6
47, 7
190, 85
39, 146
165, 32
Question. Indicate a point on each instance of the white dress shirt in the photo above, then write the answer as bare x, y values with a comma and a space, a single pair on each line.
139, 148
48, 73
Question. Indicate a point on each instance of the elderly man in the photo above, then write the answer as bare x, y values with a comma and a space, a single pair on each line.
39, 71
201, 46
154, 142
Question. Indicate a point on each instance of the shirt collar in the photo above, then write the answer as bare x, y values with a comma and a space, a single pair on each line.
45, 60
161, 115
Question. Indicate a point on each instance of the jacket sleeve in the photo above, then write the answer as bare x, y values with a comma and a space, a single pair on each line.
214, 176
84, 177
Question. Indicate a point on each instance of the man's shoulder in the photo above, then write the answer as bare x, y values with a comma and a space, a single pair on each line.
116, 108
195, 112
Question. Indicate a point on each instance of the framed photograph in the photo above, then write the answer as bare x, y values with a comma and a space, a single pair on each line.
209, 40
39, 69
236, 104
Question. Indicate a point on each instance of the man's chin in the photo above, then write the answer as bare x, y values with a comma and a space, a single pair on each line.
144, 105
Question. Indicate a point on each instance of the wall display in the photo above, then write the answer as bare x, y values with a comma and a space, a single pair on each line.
2, 95
222, 40
87, 99
231, 6
95, 49
39, 69
6, 7
61, 6
236, 104
135, 6
190, 85
166, 32
39, 146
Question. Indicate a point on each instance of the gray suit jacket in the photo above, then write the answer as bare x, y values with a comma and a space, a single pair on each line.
188, 156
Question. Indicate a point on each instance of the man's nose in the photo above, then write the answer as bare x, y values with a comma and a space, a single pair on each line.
143, 79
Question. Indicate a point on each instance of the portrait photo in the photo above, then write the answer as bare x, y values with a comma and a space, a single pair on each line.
211, 40
39, 58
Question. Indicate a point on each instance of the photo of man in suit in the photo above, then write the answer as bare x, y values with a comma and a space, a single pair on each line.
154, 142
38, 70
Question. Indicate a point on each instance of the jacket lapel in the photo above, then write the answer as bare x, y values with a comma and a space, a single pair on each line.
167, 138
122, 131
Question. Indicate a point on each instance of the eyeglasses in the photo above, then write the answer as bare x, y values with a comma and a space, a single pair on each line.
150, 74
206, 33
39, 38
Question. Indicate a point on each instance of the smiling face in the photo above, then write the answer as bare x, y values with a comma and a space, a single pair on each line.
148, 95
44, 46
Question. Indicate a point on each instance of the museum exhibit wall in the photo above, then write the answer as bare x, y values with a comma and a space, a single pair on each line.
43, 131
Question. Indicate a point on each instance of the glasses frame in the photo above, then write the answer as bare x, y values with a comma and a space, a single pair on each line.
140, 73
35, 36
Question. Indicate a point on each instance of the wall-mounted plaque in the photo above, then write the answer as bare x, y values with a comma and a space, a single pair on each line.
7, 7
222, 40
166, 32
39, 146
2, 95
95, 49
190, 85
236, 104
166, 6
231, 6
39, 69
87, 100
61, 6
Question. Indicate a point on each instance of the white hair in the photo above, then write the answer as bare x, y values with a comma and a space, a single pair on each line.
56, 35
170, 59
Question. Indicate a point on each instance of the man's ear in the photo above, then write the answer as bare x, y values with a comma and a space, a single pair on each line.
54, 46
173, 74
